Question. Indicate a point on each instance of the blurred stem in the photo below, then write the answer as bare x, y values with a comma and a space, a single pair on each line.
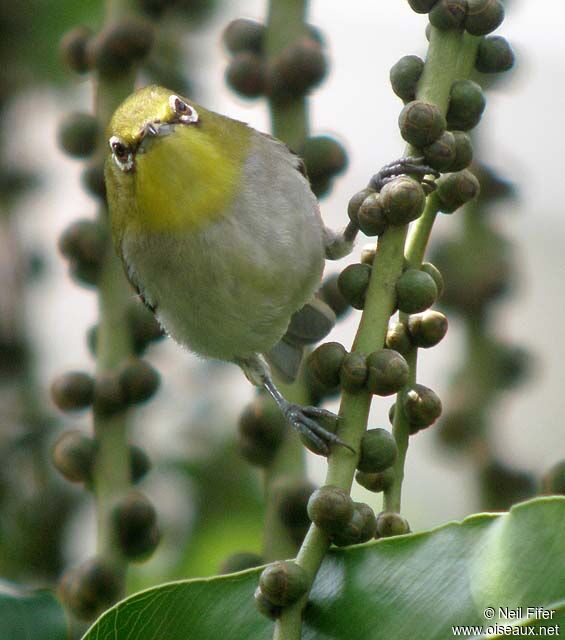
289, 123
435, 84
451, 56
112, 469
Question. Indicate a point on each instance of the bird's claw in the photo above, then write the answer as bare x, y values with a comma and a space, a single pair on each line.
304, 420
410, 165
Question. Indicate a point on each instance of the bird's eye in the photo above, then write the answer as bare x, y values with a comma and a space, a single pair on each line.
122, 154
184, 112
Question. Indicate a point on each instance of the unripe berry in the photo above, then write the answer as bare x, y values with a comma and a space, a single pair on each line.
292, 503
140, 463
245, 74
421, 123
466, 105
92, 178
240, 562
283, 582
371, 216
427, 329
388, 372
261, 430
109, 396
78, 134
354, 372
463, 151
330, 508
494, 55
73, 456
135, 522
361, 527
298, 69
398, 339
422, 407
441, 154
353, 282
324, 363
376, 482
483, 16
448, 14
72, 391
73, 49
378, 451
331, 295
145, 327
415, 291
422, 6
403, 200
404, 77
139, 380
391, 524
265, 606
244, 35
324, 157
456, 189
84, 241
355, 203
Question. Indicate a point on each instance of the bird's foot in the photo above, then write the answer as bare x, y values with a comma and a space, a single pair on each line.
305, 421
410, 165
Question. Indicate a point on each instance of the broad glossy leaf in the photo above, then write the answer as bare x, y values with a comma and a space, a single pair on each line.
31, 615
411, 587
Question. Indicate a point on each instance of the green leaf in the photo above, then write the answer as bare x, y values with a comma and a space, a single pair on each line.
415, 586
31, 615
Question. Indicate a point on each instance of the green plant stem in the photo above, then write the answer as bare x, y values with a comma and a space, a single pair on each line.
458, 51
289, 123
114, 343
439, 73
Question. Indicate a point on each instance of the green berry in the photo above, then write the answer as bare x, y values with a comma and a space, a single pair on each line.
331, 295
441, 154
391, 524
261, 431
324, 363
135, 522
483, 16
240, 562
265, 606
145, 327
405, 75
73, 48
324, 157
459, 428
422, 407
448, 14
421, 123
139, 380
78, 134
456, 189
427, 329
361, 527
494, 55
283, 582
376, 482
422, 6
244, 35
84, 241
371, 217
292, 503
403, 200
398, 338
378, 451
109, 398
429, 268
466, 105
463, 151
330, 508
298, 69
72, 391
415, 291
554, 479
388, 372
73, 456
355, 203
502, 486
354, 372
92, 178
353, 282
246, 74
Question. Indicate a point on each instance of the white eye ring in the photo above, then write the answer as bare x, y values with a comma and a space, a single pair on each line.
185, 113
122, 154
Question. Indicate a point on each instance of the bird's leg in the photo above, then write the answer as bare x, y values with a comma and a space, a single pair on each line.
340, 244
303, 419
410, 165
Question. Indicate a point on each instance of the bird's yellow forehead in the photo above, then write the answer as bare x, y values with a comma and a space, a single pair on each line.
150, 104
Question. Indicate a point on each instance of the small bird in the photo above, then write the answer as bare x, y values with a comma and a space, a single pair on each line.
221, 236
